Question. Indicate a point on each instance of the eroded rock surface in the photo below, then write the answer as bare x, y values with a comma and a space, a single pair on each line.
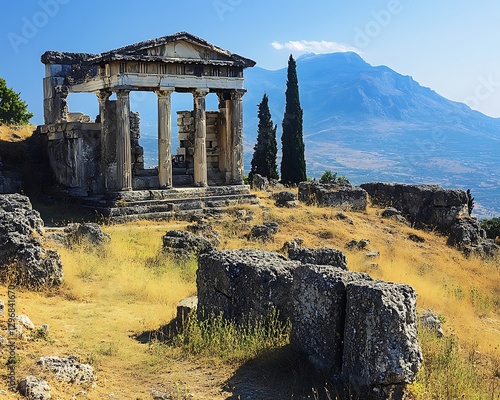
182, 244
344, 196
26, 262
381, 352
244, 283
322, 256
34, 388
68, 369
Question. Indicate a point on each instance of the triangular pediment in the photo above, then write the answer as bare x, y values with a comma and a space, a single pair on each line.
181, 46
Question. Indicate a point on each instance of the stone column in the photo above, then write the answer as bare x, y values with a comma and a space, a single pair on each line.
200, 135
237, 136
123, 150
103, 96
164, 138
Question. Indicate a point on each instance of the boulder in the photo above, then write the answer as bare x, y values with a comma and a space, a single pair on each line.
34, 388
292, 244
357, 244
430, 321
322, 256
343, 196
467, 235
286, 199
423, 205
259, 182
86, 234
381, 351
68, 369
394, 214
263, 232
244, 284
319, 300
182, 244
26, 262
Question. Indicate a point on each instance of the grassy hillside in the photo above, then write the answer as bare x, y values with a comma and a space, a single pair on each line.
127, 288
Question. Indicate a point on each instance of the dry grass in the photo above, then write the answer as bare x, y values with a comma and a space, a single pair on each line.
15, 133
126, 288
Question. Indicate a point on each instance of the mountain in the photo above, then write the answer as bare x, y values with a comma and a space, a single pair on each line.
371, 123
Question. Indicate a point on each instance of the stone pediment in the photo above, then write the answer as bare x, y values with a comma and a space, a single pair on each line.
180, 47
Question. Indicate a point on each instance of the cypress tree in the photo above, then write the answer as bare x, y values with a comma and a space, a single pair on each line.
266, 148
293, 163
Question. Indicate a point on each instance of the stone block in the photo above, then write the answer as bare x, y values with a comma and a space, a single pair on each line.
381, 350
244, 284
322, 256
319, 299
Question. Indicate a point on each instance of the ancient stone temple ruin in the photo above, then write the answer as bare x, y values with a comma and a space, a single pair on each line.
102, 156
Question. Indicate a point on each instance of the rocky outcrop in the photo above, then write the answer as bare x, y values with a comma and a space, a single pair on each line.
319, 303
430, 321
467, 235
423, 205
381, 352
322, 256
344, 196
26, 262
34, 388
68, 369
182, 244
244, 284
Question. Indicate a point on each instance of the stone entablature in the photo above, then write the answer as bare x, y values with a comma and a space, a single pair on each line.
176, 63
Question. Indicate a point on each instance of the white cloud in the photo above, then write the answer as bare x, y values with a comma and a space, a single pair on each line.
313, 46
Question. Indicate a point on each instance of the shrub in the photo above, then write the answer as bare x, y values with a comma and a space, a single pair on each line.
492, 227
13, 110
332, 178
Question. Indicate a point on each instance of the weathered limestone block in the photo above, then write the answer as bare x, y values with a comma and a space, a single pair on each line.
319, 300
332, 195
244, 284
25, 261
85, 233
286, 199
182, 244
68, 369
259, 182
381, 350
323, 256
424, 205
34, 388
264, 232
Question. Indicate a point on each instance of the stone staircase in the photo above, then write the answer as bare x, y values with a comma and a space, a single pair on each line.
180, 203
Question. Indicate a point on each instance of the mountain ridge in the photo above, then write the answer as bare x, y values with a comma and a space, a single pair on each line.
372, 123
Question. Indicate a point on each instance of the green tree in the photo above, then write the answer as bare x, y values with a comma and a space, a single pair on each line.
13, 110
492, 227
266, 149
293, 162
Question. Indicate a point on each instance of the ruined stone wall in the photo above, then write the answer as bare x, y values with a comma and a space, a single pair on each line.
358, 331
186, 124
74, 153
135, 134
422, 205
343, 196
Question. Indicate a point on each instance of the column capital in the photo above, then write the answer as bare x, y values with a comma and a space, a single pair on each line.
122, 92
237, 94
164, 91
200, 92
103, 95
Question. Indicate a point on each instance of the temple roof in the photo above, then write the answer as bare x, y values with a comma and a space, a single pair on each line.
181, 47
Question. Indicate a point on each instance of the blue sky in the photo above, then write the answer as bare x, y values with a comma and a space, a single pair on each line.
449, 46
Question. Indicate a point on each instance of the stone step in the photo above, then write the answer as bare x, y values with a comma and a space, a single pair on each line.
175, 193
176, 205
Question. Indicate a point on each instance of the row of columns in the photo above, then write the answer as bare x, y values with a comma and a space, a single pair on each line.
233, 123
